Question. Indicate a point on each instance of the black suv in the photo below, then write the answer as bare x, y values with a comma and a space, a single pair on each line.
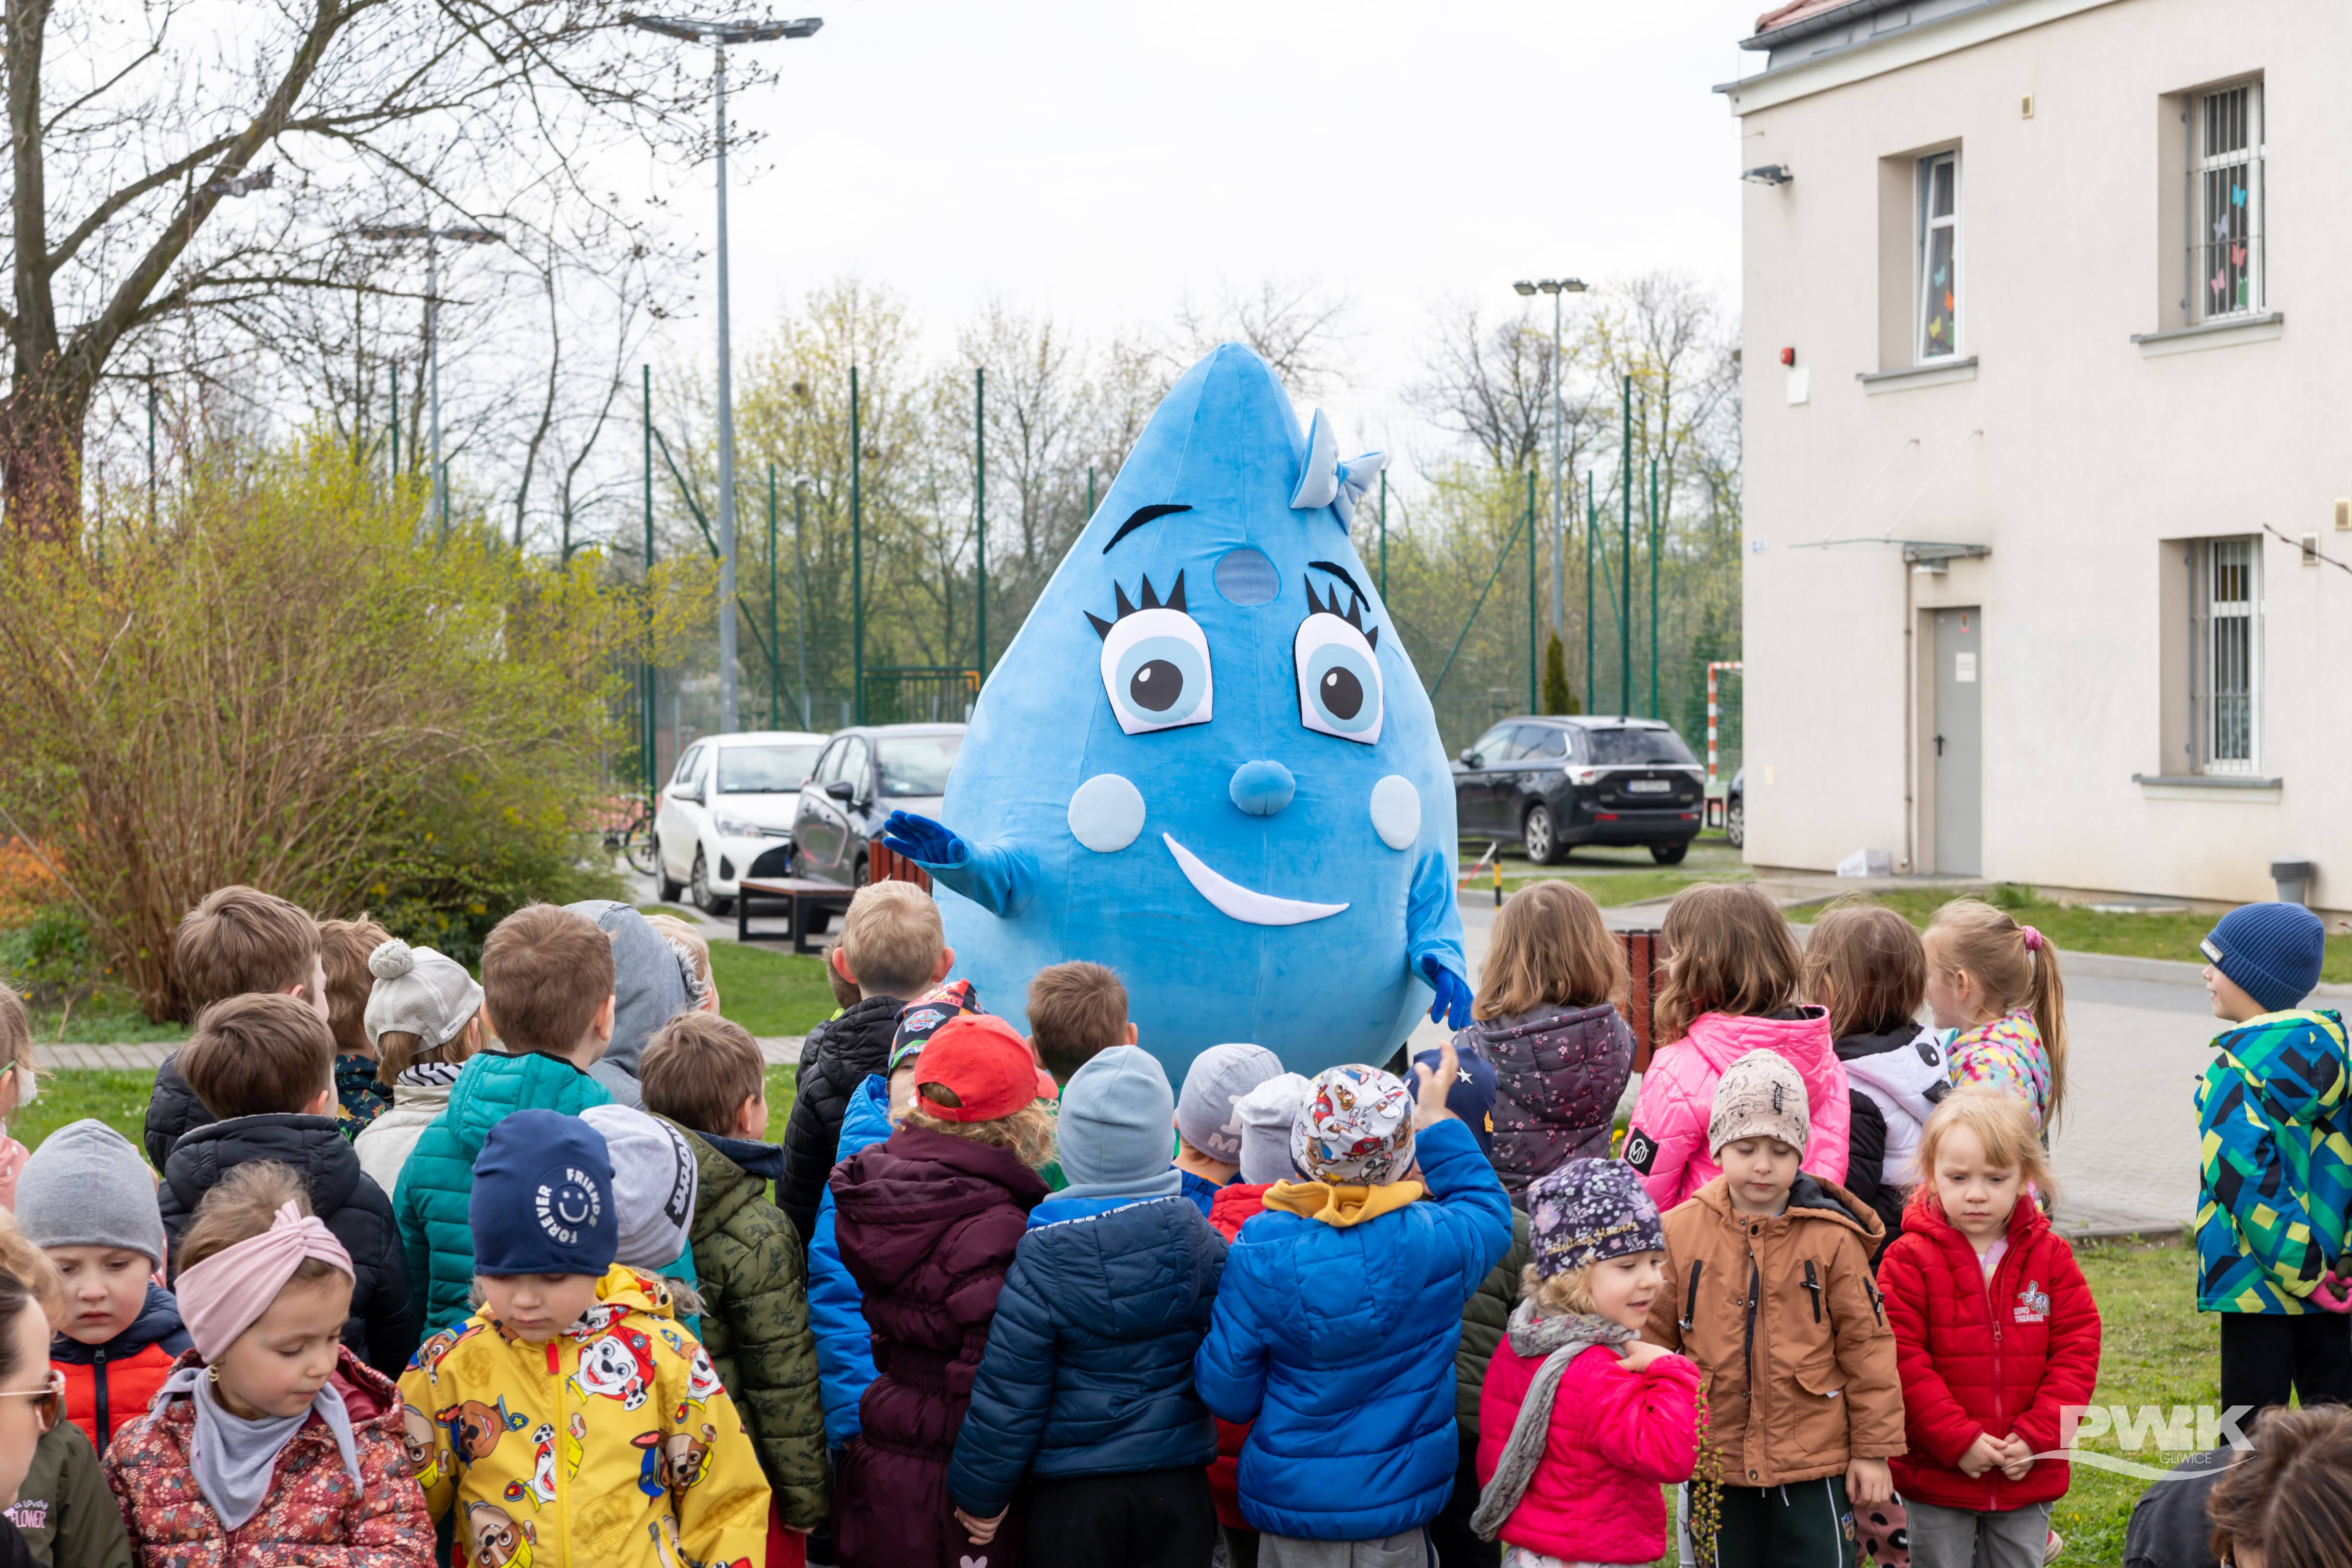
1551, 784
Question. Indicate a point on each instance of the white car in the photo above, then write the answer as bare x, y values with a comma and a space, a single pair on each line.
727, 814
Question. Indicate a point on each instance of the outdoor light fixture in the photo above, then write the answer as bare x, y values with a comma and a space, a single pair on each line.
438, 504
719, 34
1555, 287
1769, 175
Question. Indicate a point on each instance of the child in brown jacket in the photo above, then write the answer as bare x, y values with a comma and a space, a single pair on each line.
1769, 1289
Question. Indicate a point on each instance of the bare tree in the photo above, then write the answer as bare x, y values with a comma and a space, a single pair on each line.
1492, 383
1296, 325
160, 177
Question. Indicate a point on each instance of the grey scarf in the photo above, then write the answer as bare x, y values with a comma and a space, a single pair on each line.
234, 1459
1558, 1341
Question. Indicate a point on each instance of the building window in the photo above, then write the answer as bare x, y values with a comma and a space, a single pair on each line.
2225, 202
1939, 256
2227, 661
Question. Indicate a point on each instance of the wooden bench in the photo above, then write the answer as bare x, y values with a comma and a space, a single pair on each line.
809, 900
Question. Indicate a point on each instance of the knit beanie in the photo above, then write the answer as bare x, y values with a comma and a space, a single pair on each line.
1217, 1079
1356, 1128
1113, 1127
87, 1186
542, 1199
1471, 1095
417, 991
2270, 951
1267, 1114
1758, 1096
1587, 1212
655, 1183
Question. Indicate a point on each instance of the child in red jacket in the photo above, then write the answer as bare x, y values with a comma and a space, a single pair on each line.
1579, 1422
1995, 1335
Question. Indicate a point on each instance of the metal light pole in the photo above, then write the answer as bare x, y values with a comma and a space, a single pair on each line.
436, 473
719, 34
1556, 287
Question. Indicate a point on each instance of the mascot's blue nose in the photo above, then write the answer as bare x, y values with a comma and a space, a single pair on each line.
1262, 789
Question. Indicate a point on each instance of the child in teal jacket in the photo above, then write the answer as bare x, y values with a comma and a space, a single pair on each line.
2276, 1179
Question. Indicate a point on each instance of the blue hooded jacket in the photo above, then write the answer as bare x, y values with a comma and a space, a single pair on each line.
844, 1344
1339, 1344
1088, 1370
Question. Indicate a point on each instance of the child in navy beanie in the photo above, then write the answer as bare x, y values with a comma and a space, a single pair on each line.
2275, 1183
571, 1401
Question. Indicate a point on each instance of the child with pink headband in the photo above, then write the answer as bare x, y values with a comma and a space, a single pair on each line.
269, 1437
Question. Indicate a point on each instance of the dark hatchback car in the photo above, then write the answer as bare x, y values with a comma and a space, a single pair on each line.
1549, 785
861, 777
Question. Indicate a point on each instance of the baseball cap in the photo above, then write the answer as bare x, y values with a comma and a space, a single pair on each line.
921, 1019
983, 1061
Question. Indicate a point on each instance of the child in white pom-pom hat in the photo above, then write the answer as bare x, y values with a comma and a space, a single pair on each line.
423, 1019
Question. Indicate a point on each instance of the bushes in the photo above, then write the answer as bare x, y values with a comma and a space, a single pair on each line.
281, 685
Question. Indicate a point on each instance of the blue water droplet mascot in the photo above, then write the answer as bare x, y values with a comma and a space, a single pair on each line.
1206, 760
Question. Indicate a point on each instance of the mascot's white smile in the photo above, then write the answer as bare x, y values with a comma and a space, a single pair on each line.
1231, 898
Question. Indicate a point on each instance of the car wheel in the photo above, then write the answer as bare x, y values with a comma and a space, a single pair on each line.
1735, 824
662, 883
709, 902
1669, 854
1540, 836
862, 873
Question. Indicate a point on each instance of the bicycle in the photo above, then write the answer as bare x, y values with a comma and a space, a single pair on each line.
629, 832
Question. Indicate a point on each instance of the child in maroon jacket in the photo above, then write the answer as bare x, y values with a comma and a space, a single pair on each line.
927, 1221
1995, 1333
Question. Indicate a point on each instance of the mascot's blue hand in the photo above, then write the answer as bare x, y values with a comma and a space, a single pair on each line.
1453, 1000
920, 838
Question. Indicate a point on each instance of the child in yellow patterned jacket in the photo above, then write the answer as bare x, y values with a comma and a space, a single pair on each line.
571, 1419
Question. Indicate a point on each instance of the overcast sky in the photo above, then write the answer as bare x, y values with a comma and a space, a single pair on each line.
1099, 159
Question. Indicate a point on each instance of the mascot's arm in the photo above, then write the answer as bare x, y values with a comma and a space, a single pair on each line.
1434, 942
999, 878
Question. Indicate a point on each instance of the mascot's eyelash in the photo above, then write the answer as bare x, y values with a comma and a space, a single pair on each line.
1151, 601
1353, 614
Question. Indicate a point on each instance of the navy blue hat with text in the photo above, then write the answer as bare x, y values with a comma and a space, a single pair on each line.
542, 1200
1471, 1095
2270, 951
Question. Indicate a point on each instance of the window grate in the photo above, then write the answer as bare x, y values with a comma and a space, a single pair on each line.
2225, 250
2229, 654
1939, 256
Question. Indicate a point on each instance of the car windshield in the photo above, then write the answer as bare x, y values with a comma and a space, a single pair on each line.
763, 769
1621, 747
915, 764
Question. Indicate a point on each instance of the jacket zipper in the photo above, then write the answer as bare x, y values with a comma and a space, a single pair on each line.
1690, 1301
2000, 1390
104, 1403
1813, 1285
556, 1422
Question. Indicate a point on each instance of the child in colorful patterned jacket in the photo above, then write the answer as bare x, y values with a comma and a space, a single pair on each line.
570, 1415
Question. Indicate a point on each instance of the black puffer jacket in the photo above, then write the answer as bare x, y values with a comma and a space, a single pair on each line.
172, 1114
1558, 1072
838, 1055
382, 1328
1485, 1322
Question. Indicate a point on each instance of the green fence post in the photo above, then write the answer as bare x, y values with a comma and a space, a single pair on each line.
1532, 706
856, 565
1655, 712
1385, 535
1626, 556
652, 700
775, 671
980, 512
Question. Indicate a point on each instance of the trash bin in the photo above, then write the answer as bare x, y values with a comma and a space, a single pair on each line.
2293, 879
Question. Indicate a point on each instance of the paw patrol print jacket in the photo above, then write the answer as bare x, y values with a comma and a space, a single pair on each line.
1993, 1355
612, 1444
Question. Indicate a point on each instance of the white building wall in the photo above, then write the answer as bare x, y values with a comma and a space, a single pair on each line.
2071, 453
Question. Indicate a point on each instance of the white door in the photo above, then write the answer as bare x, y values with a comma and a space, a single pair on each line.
675, 828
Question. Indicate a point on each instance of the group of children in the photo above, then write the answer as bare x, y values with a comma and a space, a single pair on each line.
483, 1271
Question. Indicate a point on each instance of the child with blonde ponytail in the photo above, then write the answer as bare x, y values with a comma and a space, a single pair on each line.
1995, 982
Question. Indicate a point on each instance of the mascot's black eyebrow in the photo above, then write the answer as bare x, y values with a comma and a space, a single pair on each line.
1143, 514
1337, 570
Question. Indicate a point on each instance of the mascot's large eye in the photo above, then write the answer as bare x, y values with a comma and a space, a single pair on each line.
1155, 669
1338, 679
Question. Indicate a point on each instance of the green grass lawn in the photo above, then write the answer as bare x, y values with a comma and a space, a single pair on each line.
771, 993
107, 1019
2131, 936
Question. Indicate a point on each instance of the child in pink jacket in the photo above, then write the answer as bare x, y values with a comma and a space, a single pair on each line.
1731, 979
1579, 1422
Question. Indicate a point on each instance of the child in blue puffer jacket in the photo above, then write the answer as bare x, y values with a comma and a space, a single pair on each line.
1338, 1315
1086, 1383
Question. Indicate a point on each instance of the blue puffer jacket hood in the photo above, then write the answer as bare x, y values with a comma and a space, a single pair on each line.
844, 1344
1339, 1344
1089, 1362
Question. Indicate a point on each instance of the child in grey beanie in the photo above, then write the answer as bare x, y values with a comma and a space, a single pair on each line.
85, 1185
1265, 1114
1208, 1133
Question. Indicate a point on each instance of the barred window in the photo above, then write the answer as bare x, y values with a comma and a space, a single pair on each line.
2226, 694
2225, 202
